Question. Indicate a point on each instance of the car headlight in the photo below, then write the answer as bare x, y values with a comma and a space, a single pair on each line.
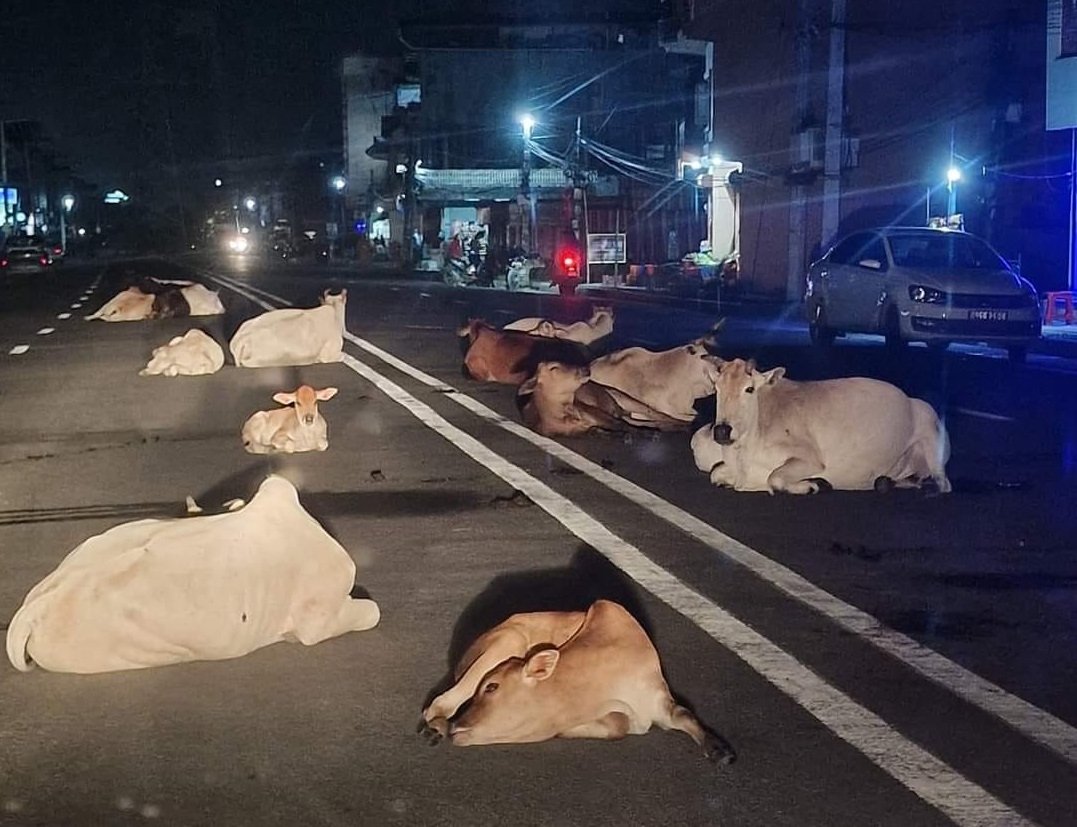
927, 295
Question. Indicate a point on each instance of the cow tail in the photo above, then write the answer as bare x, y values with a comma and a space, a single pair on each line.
18, 636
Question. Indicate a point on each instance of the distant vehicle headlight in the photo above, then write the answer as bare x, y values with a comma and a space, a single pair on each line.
927, 295
239, 244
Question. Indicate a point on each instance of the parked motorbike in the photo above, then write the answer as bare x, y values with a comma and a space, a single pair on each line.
525, 271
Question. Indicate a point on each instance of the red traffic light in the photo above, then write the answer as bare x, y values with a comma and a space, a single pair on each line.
570, 262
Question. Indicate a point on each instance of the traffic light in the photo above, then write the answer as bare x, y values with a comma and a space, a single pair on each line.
569, 261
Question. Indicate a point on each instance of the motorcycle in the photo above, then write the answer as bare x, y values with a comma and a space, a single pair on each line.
525, 271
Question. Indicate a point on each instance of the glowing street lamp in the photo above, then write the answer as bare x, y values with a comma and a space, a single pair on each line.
527, 121
250, 203
67, 202
953, 175
217, 182
339, 182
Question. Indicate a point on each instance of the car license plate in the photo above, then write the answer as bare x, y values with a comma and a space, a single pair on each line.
989, 315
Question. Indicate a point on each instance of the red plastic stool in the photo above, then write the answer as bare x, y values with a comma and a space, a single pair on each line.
1063, 297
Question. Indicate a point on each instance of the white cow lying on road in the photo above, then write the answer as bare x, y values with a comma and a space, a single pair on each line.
292, 336
669, 381
564, 403
563, 675
130, 305
193, 354
156, 298
855, 434
597, 327
157, 592
292, 429
202, 300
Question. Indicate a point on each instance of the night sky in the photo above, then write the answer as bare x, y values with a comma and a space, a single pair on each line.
126, 87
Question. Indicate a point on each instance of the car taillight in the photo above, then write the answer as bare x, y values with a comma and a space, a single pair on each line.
3, 262
57, 250
44, 260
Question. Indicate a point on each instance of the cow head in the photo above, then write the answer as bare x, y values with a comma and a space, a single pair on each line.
556, 380
512, 703
335, 299
704, 367
737, 403
305, 399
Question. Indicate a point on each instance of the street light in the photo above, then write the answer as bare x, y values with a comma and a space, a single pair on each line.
250, 203
217, 182
527, 122
953, 175
67, 202
339, 182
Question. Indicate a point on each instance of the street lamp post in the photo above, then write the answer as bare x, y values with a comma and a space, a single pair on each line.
953, 175
339, 183
527, 122
66, 204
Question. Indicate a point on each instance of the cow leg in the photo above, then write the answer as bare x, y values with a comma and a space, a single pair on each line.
795, 476
499, 648
351, 616
715, 747
610, 727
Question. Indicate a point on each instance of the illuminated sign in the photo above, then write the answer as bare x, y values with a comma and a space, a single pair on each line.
116, 197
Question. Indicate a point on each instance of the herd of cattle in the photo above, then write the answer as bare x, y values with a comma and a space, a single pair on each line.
769, 433
207, 587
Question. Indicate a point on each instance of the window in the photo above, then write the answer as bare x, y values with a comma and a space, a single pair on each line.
938, 251
848, 250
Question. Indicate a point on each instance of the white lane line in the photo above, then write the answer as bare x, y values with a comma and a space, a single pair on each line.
45, 331
19, 350
934, 781
1028, 719
994, 417
64, 316
76, 306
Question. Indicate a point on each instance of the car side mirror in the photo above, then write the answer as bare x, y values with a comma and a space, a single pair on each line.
870, 263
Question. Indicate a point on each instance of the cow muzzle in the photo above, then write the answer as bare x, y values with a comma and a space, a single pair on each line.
722, 433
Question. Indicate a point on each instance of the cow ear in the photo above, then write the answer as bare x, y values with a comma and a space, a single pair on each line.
540, 665
325, 393
769, 377
284, 398
545, 328
527, 387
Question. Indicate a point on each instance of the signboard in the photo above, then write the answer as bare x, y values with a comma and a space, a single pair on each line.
1061, 64
606, 248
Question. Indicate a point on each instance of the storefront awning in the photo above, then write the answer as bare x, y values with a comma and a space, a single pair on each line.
502, 184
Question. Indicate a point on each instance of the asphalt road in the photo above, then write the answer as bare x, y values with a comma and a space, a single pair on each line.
875, 659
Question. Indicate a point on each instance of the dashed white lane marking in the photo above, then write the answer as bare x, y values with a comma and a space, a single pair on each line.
76, 306
934, 781
994, 417
45, 331
64, 316
1026, 718
19, 350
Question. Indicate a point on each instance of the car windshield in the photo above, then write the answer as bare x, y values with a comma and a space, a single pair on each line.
944, 251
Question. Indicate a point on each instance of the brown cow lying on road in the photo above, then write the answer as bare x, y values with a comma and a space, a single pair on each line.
549, 675
160, 299
562, 402
511, 357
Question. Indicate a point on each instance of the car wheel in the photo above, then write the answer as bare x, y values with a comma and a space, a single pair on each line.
821, 334
1018, 353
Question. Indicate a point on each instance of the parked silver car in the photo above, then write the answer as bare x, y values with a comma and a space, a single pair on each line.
919, 284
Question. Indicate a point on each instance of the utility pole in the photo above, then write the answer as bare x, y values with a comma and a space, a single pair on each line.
3, 170
835, 118
579, 181
798, 201
527, 122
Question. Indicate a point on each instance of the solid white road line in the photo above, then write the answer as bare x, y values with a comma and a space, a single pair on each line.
931, 779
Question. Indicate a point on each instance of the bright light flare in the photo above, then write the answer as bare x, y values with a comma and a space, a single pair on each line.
953, 175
